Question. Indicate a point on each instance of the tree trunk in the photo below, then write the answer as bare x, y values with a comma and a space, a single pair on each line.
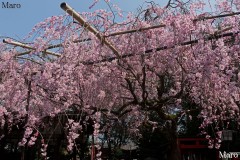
74, 153
109, 149
57, 146
22, 154
174, 153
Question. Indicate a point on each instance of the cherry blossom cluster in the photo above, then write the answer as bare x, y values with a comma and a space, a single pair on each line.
73, 133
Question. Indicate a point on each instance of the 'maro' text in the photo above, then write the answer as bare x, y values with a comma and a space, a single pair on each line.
10, 5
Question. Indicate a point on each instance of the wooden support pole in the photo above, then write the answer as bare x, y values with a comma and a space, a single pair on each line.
217, 16
28, 47
86, 25
210, 37
136, 30
126, 32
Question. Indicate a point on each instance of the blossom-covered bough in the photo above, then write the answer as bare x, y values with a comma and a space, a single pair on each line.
92, 69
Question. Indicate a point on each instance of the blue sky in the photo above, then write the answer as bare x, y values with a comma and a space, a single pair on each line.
18, 22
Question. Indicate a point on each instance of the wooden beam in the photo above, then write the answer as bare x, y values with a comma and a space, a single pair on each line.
28, 47
86, 25
217, 16
210, 37
136, 30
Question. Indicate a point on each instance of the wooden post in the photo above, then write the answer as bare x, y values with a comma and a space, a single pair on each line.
28, 47
86, 25
93, 149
